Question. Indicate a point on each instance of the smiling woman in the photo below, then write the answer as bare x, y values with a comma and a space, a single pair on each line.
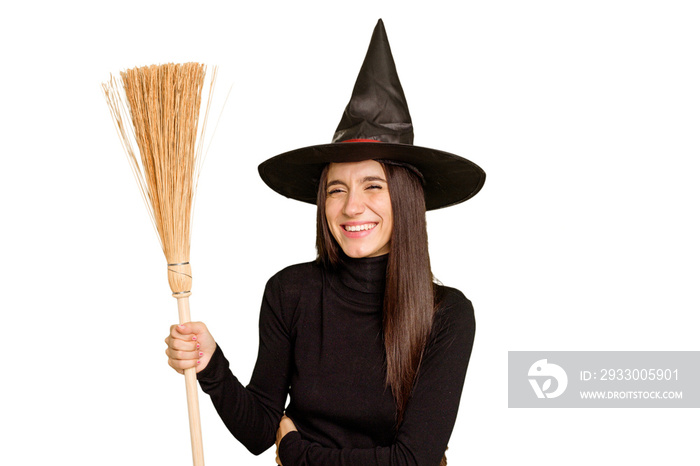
371, 352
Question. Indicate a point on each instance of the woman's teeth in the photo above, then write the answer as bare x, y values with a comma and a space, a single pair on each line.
366, 226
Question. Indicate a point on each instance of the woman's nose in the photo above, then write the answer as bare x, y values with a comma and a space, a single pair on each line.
354, 205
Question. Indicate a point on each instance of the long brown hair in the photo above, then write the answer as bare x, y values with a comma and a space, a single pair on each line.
409, 295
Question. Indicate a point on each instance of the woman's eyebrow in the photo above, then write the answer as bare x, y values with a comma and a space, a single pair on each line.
366, 179
334, 182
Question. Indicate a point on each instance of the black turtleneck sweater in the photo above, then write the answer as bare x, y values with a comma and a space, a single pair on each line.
321, 343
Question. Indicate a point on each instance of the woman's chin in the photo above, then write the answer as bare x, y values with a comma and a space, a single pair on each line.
354, 254
360, 253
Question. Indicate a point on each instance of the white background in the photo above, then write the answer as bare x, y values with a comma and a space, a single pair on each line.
584, 115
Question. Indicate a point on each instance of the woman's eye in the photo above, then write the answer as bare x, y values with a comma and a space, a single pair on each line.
374, 186
334, 191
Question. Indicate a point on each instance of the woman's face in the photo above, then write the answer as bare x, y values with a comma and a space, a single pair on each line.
358, 208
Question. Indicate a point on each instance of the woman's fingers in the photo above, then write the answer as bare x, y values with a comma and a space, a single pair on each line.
183, 355
184, 332
181, 345
189, 345
286, 426
277, 447
183, 360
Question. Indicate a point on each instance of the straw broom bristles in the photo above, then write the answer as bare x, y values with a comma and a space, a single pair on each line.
164, 105
164, 108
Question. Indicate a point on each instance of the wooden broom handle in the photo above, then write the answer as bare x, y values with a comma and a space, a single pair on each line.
183, 308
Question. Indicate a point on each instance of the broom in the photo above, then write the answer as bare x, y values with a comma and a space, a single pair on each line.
164, 106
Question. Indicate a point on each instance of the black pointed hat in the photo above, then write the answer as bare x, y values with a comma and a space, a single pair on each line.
376, 125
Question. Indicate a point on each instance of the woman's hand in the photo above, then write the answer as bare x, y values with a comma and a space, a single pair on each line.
189, 345
286, 426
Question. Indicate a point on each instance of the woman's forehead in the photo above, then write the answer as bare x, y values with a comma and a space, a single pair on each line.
355, 169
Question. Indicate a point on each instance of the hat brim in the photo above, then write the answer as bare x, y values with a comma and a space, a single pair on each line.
449, 179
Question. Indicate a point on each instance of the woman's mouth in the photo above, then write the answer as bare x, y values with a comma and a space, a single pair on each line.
362, 227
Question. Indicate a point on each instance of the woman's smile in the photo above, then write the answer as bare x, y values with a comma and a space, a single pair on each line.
357, 228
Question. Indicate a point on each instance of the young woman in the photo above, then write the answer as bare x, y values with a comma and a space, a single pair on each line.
371, 352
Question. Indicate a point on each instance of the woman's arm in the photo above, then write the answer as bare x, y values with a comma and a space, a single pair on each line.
252, 414
430, 415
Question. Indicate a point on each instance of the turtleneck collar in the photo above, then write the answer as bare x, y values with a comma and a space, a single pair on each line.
363, 280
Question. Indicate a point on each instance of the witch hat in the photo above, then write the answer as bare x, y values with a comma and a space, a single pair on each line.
375, 125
